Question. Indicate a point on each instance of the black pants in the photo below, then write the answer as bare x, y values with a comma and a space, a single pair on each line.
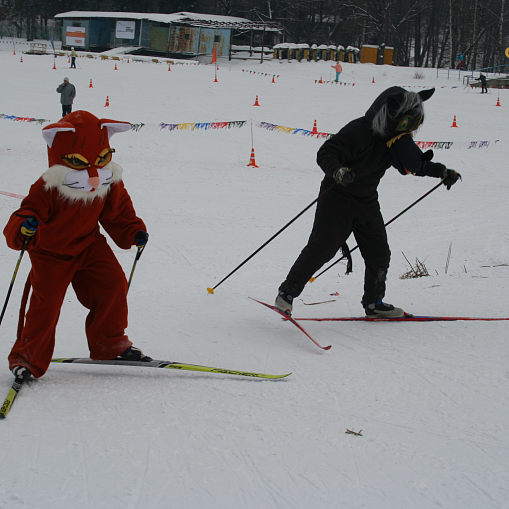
338, 215
66, 109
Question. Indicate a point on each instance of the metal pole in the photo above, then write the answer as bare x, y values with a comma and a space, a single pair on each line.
23, 249
211, 290
136, 258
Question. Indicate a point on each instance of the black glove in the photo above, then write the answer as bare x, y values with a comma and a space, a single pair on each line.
29, 227
141, 238
344, 176
450, 178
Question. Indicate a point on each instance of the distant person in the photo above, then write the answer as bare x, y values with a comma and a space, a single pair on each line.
338, 69
482, 79
67, 93
73, 58
460, 59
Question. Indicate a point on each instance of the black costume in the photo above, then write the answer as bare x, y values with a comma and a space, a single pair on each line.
353, 207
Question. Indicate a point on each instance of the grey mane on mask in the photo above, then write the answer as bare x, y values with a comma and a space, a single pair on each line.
412, 101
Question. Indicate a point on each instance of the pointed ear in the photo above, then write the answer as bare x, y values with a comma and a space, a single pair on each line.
114, 126
426, 94
50, 131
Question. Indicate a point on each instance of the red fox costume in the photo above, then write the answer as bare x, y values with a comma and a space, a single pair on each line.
81, 189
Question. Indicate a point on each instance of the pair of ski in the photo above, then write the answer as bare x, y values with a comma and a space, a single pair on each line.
18, 381
407, 318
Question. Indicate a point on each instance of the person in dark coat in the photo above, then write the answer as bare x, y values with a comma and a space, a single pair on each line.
354, 160
484, 83
67, 93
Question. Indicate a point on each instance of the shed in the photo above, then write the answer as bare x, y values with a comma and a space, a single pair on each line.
182, 34
369, 54
380, 55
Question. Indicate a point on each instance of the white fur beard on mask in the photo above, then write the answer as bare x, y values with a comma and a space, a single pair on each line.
55, 179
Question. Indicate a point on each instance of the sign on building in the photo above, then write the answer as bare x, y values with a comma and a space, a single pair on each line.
125, 29
75, 36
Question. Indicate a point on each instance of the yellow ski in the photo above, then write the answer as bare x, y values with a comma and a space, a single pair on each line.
166, 365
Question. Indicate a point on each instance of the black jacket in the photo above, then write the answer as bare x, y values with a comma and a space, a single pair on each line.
356, 146
483, 79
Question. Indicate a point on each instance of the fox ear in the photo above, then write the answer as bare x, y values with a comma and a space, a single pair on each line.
113, 126
50, 131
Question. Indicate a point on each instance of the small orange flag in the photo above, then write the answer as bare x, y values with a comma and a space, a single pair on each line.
214, 54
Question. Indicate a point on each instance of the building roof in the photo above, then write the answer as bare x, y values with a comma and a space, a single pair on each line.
189, 18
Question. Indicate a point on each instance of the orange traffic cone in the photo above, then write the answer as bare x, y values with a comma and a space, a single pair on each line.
315, 130
454, 124
115, 68
321, 81
169, 67
273, 81
498, 99
373, 80
21, 59
107, 101
90, 86
256, 102
54, 64
252, 161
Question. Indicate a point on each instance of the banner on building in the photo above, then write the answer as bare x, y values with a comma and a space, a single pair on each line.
75, 36
125, 29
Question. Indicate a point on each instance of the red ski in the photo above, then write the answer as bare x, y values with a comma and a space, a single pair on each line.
290, 319
407, 318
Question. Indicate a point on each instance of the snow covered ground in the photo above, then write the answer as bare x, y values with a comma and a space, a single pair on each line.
431, 399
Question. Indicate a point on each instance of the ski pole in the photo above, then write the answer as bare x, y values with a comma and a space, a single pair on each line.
23, 249
386, 224
211, 290
136, 258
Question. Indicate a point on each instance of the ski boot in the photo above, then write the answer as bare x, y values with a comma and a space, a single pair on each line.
21, 372
382, 310
284, 302
134, 354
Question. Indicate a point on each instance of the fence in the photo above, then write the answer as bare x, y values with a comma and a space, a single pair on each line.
497, 69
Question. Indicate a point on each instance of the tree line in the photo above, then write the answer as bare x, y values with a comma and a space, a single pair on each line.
425, 33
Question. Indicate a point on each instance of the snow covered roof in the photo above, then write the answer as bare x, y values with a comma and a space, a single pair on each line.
178, 17
153, 16
290, 45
